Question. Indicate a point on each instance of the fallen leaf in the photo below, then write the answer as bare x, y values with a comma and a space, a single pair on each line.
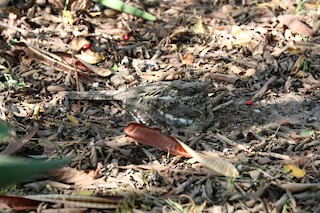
90, 56
187, 59
297, 65
153, 137
295, 25
18, 203
79, 178
215, 164
51, 59
103, 202
103, 72
73, 120
77, 43
15, 146
294, 170
199, 28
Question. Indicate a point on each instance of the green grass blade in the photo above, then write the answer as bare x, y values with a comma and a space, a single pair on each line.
120, 6
4, 130
15, 170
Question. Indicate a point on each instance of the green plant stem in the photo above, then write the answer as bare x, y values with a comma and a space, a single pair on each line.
121, 6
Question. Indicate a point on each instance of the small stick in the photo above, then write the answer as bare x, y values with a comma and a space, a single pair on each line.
274, 155
232, 143
223, 105
263, 89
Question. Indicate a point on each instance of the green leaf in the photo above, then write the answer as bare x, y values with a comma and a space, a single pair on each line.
4, 129
192, 160
307, 133
122, 7
15, 170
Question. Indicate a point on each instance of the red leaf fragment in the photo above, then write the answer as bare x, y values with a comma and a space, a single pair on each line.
18, 203
72, 61
126, 37
295, 25
85, 46
153, 137
249, 102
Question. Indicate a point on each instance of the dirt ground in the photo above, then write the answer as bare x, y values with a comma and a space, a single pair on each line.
260, 58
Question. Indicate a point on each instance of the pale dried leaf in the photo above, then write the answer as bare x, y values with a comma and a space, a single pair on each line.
103, 72
76, 200
90, 57
79, 178
77, 43
215, 164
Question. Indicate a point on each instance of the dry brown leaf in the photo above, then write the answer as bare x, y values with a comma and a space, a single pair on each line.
18, 203
288, 121
153, 137
187, 59
236, 69
297, 187
295, 25
78, 178
297, 65
51, 59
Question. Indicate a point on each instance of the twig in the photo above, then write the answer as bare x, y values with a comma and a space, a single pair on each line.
232, 143
227, 78
196, 140
263, 89
298, 187
274, 155
18, 145
223, 105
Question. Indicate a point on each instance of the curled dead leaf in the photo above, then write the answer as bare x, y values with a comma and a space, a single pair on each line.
103, 72
153, 137
90, 56
294, 170
77, 43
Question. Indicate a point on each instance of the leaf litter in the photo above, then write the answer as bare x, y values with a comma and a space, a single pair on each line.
265, 54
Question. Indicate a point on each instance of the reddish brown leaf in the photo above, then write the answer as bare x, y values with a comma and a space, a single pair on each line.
52, 60
72, 61
154, 138
295, 25
19, 203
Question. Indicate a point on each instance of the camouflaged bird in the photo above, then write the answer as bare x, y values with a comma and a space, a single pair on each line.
176, 104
